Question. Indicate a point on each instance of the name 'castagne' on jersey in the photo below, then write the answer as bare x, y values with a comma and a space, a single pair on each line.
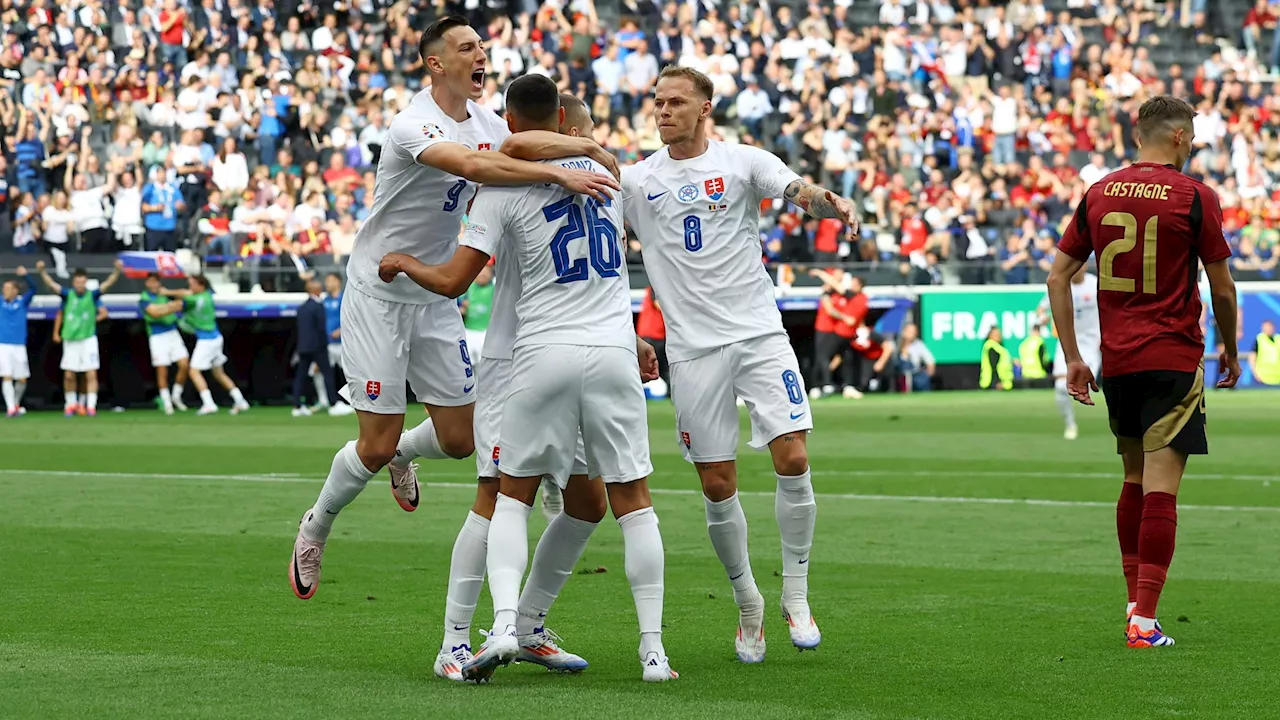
418, 209
568, 251
699, 220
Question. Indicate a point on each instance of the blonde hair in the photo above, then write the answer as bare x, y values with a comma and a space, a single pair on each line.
700, 81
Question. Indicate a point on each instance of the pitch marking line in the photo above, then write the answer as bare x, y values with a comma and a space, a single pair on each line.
945, 500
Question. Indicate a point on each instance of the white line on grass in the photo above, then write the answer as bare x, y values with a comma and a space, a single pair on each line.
1030, 474
945, 500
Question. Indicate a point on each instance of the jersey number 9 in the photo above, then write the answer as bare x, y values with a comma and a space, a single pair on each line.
602, 240
455, 192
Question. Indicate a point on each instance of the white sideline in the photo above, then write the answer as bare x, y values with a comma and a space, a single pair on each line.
657, 491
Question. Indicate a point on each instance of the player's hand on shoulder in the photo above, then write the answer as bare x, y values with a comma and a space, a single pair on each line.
1229, 368
392, 265
1080, 381
648, 359
586, 182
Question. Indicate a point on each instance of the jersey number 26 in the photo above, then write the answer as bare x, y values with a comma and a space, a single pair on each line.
602, 240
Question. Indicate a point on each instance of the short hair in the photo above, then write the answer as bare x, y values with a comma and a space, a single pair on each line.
701, 82
332, 275
429, 43
575, 109
1163, 113
533, 98
152, 276
79, 272
200, 278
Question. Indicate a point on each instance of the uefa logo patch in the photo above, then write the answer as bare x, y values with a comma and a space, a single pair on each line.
688, 193
373, 390
715, 188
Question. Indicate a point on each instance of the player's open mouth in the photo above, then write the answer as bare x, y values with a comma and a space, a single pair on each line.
477, 78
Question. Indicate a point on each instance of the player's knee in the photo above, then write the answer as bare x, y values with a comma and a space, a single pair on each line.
456, 442
719, 480
486, 498
376, 453
790, 454
586, 499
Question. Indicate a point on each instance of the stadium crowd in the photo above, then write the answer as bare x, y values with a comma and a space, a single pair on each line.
967, 130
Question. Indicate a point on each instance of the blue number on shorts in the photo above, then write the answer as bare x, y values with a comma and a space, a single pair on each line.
692, 233
466, 357
793, 387
602, 240
454, 193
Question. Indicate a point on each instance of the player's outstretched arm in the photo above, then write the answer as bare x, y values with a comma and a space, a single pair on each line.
49, 282
820, 202
112, 279
450, 279
546, 145
1080, 378
1222, 293
490, 168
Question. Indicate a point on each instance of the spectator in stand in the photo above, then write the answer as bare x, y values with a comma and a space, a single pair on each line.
161, 205
26, 224
126, 216
57, 222
90, 215
213, 223
915, 361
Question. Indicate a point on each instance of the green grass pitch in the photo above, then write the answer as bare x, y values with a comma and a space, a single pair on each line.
965, 566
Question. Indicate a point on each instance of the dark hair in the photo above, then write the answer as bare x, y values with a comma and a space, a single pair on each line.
200, 278
153, 276
332, 274
80, 272
533, 98
701, 82
1164, 113
428, 44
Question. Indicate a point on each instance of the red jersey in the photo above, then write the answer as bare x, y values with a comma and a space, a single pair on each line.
855, 307
650, 325
827, 238
868, 343
1148, 224
823, 322
915, 235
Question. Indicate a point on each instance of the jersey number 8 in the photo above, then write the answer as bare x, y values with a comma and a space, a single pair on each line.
692, 233
602, 240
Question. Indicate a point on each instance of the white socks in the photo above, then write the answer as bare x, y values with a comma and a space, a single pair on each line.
322, 398
508, 556
796, 511
237, 396
347, 477
10, 398
1065, 405
166, 400
206, 398
19, 389
176, 391
72, 399
645, 563
466, 578
559, 550
727, 526
420, 442
91, 401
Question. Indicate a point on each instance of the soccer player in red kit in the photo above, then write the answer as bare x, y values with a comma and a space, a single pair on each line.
1148, 225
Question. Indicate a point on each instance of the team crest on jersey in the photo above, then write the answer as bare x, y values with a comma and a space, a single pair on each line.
684, 439
373, 389
496, 453
688, 193
432, 131
715, 188
484, 147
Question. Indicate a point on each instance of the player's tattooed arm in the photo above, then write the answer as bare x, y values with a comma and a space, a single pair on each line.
450, 279
536, 145
820, 202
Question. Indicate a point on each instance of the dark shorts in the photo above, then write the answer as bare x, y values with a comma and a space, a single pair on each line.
1159, 408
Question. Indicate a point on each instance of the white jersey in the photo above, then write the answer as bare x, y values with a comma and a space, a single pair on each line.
1084, 298
501, 334
698, 221
418, 209
574, 288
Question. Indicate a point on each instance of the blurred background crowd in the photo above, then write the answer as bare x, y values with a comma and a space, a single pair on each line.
967, 130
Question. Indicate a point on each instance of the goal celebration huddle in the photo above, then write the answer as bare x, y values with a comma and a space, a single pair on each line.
555, 399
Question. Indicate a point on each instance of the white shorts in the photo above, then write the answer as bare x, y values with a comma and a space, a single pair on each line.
14, 363
80, 355
475, 345
557, 390
335, 355
167, 348
763, 372
208, 354
494, 378
1092, 356
385, 344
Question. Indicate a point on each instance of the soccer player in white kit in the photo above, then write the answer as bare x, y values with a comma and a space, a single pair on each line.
436, 152
571, 371
695, 205
1084, 297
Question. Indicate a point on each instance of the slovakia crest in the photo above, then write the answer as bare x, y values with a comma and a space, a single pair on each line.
684, 439
484, 147
373, 389
497, 452
715, 188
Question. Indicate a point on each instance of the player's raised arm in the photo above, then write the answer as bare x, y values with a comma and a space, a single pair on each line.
490, 168
49, 282
820, 202
113, 278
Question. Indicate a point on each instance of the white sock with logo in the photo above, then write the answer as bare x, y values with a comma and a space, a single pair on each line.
10, 399
206, 398
727, 526
645, 565
558, 551
466, 579
418, 442
508, 557
796, 513
347, 477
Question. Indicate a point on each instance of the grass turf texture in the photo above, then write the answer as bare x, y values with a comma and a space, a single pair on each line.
127, 590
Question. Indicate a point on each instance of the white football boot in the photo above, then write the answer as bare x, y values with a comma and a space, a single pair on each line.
804, 630
449, 662
657, 669
541, 647
304, 567
498, 650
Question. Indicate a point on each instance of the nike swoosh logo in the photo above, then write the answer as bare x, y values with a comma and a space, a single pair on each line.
297, 577
327, 511
735, 577
460, 628
655, 197
797, 416
803, 561
467, 388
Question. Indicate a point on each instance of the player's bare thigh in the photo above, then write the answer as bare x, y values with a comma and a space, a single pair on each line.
454, 430
379, 435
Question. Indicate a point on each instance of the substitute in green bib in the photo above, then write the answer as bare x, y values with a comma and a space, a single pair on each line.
200, 318
1265, 358
997, 363
477, 306
167, 348
76, 328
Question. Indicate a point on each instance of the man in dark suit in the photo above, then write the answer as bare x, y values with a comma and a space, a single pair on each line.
313, 347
